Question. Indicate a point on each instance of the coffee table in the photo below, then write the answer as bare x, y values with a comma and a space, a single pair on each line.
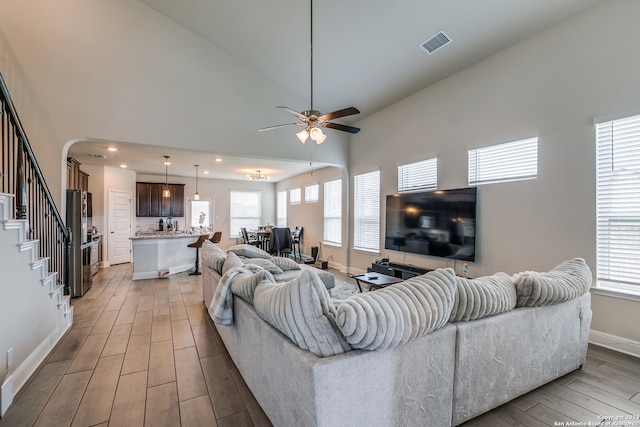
375, 280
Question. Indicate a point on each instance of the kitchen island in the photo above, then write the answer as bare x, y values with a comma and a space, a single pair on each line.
157, 255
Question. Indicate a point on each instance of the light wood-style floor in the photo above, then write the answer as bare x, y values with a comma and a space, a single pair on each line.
145, 353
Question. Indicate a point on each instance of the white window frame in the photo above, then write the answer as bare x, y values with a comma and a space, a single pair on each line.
295, 196
366, 218
311, 193
510, 161
281, 208
193, 220
332, 230
250, 220
417, 176
618, 206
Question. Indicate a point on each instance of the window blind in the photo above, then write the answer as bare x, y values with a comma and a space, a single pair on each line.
422, 175
295, 196
618, 203
512, 161
333, 212
366, 200
311, 193
245, 210
281, 206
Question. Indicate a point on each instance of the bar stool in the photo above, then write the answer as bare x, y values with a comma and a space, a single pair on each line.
217, 236
197, 244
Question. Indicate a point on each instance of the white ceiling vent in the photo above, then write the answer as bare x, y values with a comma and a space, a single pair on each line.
435, 42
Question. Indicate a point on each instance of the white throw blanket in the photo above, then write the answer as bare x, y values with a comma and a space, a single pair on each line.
221, 307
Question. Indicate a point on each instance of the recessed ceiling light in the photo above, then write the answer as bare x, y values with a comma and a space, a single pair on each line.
123, 166
218, 159
205, 172
112, 149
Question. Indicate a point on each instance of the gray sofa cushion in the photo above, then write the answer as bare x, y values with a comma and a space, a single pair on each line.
285, 263
264, 263
212, 256
248, 251
566, 281
302, 310
244, 284
327, 278
482, 297
230, 262
397, 314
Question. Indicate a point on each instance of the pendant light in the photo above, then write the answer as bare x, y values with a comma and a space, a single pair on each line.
196, 196
166, 193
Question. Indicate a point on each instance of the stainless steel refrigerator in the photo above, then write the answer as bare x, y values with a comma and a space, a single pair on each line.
79, 251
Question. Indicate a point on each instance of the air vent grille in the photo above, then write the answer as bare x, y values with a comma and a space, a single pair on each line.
435, 42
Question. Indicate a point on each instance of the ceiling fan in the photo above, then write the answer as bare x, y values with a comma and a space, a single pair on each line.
313, 120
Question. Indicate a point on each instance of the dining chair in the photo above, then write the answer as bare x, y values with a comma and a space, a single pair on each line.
296, 239
280, 241
246, 239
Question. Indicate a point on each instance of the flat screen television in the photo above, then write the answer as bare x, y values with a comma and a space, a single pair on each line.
439, 223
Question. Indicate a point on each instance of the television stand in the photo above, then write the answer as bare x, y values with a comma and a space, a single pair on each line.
402, 271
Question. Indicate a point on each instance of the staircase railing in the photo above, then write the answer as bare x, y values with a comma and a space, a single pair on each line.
20, 175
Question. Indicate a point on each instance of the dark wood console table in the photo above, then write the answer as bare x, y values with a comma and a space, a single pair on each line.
402, 271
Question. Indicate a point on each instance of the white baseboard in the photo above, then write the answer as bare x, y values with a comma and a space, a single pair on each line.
616, 343
16, 379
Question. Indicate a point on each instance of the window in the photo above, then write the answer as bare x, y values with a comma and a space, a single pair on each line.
294, 196
245, 211
333, 212
422, 175
618, 203
311, 193
366, 200
200, 213
513, 161
281, 207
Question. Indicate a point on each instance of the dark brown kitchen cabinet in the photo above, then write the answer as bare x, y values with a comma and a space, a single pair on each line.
150, 203
77, 179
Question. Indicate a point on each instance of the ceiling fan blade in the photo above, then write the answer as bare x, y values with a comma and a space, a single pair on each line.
344, 128
340, 113
295, 113
280, 126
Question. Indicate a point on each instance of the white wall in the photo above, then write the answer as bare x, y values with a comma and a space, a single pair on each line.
551, 86
118, 70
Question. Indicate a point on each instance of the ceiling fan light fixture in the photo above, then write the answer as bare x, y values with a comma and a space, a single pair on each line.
317, 135
303, 135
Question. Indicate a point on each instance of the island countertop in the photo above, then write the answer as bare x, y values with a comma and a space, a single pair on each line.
157, 255
166, 235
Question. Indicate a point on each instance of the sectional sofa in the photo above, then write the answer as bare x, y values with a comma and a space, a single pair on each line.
434, 350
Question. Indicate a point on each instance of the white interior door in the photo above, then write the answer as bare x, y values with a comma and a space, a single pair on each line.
119, 227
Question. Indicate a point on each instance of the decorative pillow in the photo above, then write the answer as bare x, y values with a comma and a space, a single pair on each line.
249, 251
285, 263
231, 261
564, 282
397, 314
244, 284
210, 246
212, 256
264, 263
301, 309
482, 297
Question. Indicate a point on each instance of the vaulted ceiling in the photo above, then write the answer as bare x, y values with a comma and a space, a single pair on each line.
366, 53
